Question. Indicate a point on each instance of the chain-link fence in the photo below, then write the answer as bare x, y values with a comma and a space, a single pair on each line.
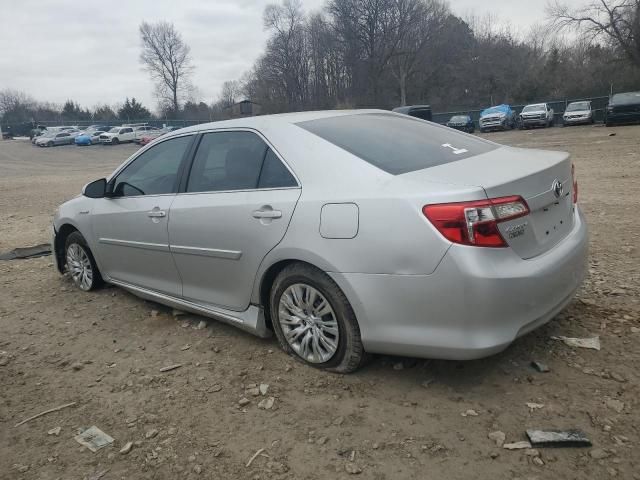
598, 104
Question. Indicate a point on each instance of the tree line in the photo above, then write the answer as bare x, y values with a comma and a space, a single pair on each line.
386, 53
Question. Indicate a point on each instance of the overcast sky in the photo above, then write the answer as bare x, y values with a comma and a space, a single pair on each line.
55, 50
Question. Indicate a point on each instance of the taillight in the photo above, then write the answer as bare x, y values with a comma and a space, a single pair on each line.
575, 183
475, 223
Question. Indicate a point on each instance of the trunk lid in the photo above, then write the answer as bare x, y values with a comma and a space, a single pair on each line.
542, 178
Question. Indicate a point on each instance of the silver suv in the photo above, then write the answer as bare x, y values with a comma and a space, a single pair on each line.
536, 115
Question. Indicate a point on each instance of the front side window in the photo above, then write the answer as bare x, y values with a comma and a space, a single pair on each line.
236, 161
155, 172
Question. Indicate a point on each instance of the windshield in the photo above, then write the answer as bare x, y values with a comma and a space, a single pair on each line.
578, 106
533, 108
630, 98
493, 110
459, 119
114, 130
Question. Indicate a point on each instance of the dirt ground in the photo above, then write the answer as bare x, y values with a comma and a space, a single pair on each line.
394, 419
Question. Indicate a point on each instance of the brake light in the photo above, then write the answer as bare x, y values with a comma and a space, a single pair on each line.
475, 223
575, 183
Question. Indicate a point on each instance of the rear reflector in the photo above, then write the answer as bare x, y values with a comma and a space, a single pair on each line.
475, 223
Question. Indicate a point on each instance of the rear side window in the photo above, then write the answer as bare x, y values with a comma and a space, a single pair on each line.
395, 143
236, 161
227, 161
274, 174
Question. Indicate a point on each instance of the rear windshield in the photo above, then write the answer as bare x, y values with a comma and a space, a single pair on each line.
395, 143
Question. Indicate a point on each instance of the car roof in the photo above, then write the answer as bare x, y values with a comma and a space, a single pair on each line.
281, 119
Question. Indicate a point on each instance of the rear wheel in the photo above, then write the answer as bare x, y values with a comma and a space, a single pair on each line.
80, 263
314, 321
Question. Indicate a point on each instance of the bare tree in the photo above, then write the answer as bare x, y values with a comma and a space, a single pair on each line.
168, 60
616, 21
424, 21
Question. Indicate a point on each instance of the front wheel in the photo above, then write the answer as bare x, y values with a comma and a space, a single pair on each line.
80, 263
115, 141
314, 321
50, 144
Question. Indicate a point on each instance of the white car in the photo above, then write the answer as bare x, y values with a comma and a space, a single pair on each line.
117, 135
141, 131
536, 115
578, 113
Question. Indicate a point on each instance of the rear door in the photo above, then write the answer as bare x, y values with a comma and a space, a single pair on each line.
131, 227
237, 204
126, 134
62, 138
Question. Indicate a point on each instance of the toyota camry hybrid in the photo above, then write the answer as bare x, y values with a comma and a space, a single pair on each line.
343, 232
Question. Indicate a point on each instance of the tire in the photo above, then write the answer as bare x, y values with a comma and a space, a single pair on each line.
483, 130
80, 263
115, 141
299, 278
50, 144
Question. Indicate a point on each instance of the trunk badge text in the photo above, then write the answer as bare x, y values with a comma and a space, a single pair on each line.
515, 231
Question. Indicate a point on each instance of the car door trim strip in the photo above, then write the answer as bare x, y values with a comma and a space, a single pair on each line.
160, 247
207, 252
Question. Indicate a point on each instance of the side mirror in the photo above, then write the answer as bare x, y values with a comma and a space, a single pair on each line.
96, 189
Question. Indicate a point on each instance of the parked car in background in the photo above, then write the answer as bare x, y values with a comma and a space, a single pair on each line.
536, 115
36, 132
151, 135
139, 132
623, 108
500, 117
95, 128
117, 135
578, 113
280, 223
462, 122
57, 138
90, 137
418, 111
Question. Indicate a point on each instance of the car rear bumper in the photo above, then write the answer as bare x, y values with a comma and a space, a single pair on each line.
475, 304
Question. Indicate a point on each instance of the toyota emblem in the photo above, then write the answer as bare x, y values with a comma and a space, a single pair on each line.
557, 188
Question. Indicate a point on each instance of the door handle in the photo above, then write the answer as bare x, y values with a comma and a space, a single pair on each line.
157, 214
267, 213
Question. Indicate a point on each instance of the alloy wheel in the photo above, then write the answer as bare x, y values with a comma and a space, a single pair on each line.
79, 266
308, 323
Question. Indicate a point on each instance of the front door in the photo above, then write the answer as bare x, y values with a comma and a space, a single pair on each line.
238, 202
131, 227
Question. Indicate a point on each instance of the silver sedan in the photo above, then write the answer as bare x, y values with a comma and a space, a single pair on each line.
341, 232
52, 139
